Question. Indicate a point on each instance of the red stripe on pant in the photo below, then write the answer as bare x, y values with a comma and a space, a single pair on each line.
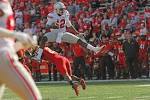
18, 72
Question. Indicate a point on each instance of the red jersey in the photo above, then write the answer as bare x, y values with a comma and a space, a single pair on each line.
121, 55
78, 50
143, 51
143, 46
49, 54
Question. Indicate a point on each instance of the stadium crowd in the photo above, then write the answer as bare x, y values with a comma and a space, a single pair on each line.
119, 24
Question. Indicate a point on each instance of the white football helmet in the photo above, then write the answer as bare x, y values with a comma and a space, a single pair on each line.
59, 8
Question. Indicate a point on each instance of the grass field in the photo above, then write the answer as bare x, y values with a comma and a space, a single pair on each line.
122, 90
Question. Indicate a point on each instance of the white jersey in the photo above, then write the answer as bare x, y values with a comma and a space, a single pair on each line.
63, 21
6, 21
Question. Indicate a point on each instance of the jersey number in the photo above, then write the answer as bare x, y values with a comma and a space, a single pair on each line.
62, 23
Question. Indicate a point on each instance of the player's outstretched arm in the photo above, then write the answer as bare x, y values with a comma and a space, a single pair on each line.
75, 29
23, 38
6, 33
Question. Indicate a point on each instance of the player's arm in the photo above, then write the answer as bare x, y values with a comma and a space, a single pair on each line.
51, 22
74, 29
22, 38
7, 33
81, 35
68, 22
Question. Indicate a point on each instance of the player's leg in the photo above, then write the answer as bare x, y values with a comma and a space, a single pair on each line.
80, 80
62, 69
48, 37
69, 70
28, 70
71, 38
60, 63
66, 72
17, 78
2, 89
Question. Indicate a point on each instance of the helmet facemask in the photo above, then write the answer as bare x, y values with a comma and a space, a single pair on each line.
60, 11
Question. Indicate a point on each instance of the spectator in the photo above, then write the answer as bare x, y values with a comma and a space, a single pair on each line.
79, 61
114, 20
107, 62
131, 49
143, 29
27, 29
19, 17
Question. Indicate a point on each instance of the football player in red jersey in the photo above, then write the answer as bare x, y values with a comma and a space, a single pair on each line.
143, 54
121, 64
64, 68
12, 72
23, 59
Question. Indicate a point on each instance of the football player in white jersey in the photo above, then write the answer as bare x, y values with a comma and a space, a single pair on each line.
12, 73
57, 22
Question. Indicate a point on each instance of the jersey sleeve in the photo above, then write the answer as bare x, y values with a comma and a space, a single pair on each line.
50, 19
67, 15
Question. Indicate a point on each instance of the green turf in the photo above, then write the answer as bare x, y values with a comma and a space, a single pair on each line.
98, 91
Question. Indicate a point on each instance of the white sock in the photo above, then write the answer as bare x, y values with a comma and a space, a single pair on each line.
90, 47
39, 54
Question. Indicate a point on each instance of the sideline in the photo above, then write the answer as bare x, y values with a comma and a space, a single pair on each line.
97, 81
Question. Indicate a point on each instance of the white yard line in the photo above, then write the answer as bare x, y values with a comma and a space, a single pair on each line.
115, 97
144, 85
75, 98
142, 97
85, 98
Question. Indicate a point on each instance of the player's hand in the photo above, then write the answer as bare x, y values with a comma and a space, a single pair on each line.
26, 40
55, 25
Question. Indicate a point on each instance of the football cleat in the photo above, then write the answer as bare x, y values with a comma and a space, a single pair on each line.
83, 84
101, 50
76, 88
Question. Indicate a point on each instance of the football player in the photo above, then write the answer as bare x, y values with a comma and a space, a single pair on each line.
57, 22
64, 68
12, 73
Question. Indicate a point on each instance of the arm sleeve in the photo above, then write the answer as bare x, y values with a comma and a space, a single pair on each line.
68, 22
50, 19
